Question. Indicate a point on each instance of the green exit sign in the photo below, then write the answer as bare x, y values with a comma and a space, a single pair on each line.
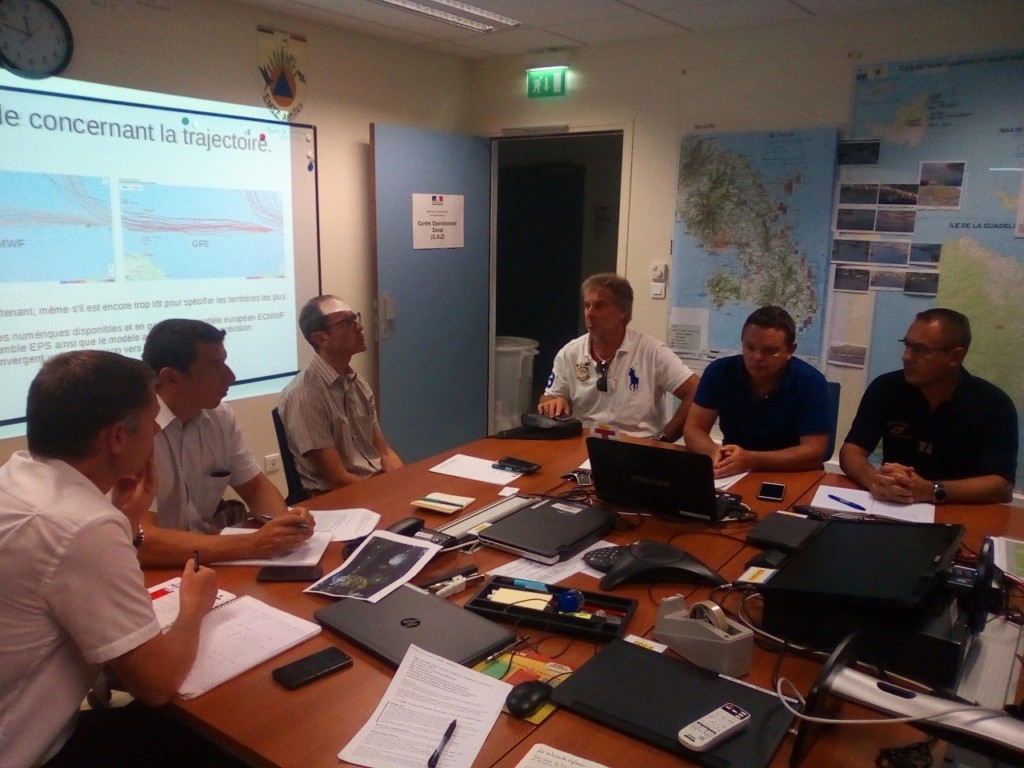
545, 83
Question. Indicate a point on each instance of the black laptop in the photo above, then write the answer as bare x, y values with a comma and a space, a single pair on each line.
409, 615
662, 480
549, 530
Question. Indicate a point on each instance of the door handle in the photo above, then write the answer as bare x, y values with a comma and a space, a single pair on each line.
386, 315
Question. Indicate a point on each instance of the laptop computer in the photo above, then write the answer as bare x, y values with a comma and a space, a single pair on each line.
665, 481
409, 615
549, 530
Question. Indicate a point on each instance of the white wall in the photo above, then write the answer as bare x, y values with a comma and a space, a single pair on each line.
797, 75
789, 76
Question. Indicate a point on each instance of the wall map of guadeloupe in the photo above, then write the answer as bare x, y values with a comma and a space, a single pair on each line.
926, 210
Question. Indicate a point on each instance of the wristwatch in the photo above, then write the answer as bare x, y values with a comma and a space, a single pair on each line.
664, 438
939, 493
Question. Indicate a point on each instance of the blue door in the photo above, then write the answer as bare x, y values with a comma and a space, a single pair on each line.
433, 304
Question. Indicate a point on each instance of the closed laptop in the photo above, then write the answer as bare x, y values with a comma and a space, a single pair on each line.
549, 530
409, 615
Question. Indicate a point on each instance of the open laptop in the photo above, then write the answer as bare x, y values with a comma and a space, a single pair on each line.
409, 615
665, 481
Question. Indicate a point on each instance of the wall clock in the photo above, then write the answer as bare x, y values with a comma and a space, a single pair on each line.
35, 38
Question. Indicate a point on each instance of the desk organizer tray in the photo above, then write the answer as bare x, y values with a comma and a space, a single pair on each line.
602, 617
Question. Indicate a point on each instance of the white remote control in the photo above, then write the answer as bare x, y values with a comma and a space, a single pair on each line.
714, 728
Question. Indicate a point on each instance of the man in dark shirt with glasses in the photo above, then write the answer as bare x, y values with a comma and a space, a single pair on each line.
947, 436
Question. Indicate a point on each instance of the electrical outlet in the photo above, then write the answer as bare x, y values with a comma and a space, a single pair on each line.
272, 462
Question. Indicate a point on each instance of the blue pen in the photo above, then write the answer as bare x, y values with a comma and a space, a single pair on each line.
847, 502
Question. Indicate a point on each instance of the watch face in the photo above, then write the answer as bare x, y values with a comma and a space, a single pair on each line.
35, 39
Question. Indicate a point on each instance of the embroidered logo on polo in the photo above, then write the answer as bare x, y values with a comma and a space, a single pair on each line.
551, 379
634, 380
583, 370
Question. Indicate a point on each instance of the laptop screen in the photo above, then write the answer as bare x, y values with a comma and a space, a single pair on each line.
660, 479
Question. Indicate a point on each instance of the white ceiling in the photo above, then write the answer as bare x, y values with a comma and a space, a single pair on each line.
559, 24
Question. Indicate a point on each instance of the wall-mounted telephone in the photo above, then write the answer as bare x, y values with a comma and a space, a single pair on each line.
386, 315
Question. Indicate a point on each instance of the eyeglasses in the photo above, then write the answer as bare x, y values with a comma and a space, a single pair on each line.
602, 382
348, 322
920, 350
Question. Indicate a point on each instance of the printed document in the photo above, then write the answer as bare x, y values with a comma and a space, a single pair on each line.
308, 552
543, 756
427, 693
473, 468
345, 524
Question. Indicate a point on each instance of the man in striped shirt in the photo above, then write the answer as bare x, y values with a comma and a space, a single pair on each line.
328, 410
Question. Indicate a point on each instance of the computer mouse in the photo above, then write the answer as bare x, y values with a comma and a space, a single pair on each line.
527, 697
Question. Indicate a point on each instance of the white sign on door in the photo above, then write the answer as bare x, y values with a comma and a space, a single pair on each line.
437, 221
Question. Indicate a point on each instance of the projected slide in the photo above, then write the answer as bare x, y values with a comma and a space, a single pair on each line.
122, 208
55, 228
186, 233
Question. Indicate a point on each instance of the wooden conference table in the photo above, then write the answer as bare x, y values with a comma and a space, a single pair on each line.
269, 726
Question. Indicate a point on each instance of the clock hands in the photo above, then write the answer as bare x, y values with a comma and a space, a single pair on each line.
26, 31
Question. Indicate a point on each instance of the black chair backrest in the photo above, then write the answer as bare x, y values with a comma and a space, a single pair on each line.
296, 492
833, 410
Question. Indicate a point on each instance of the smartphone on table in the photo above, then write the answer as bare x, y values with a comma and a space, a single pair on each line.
771, 491
320, 664
289, 573
512, 464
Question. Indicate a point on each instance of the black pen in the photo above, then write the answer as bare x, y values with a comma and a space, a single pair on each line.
195, 560
432, 762
299, 524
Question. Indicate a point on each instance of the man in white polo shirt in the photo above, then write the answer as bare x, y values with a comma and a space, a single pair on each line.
616, 376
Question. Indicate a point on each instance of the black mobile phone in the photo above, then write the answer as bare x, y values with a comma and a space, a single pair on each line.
289, 573
312, 667
513, 464
771, 491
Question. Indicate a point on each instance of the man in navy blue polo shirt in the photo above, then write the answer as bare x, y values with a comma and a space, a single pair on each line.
772, 408
947, 436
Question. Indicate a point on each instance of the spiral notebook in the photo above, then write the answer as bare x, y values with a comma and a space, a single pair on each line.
237, 634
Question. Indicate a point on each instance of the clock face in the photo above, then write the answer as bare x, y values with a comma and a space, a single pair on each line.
35, 39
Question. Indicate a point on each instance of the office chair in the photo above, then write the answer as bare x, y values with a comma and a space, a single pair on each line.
296, 492
833, 412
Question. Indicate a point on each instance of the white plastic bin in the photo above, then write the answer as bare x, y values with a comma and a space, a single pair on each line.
513, 379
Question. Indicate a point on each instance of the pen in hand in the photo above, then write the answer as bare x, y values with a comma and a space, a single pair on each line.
434, 758
195, 561
299, 524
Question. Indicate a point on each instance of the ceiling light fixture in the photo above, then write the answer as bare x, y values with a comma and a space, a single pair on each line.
483, 14
452, 18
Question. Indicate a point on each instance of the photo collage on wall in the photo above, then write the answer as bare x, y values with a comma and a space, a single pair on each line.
874, 248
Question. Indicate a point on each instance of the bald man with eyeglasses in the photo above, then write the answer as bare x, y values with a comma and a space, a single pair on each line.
328, 410
947, 436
